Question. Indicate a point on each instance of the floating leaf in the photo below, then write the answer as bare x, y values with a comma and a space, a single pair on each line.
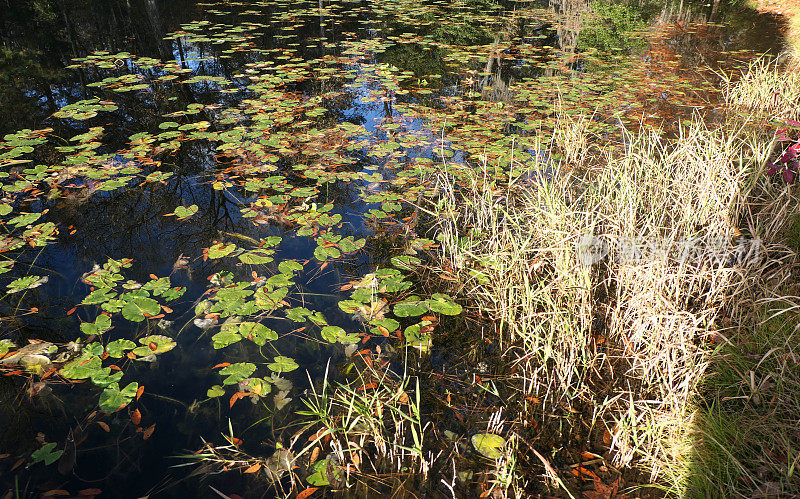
333, 334
27, 282
258, 333
99, 295
237, 372
411, 307
100, 325
185, 211
113, 399
154, 344
288, 267
257, 256
443, 304
220, 250
136, 308
83, 367
282, 364
47, 454
117, 348
215, 391
228, 335
489, 445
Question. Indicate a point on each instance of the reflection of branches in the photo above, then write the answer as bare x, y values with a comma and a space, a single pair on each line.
570, 20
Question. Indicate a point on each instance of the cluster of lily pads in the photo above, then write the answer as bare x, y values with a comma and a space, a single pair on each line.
281, 133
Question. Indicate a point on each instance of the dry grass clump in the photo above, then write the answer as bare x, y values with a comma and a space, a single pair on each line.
766, 88
635, 335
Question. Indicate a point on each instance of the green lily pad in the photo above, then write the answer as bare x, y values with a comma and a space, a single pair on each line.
258, 333
257, 256
100, 325
333, 334
46, 454
24, 219
289, 267
99, 295
411, 307
489, 445
443, 304
215, 391
390, 325
185, 211
318, 474
136, 308
113, 399
349, 245
322, 253
161, 343
282, 364
220, 250
237, 372
228, 335
83, 367
117, 348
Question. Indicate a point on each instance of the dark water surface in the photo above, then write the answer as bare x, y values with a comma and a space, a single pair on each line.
301, 120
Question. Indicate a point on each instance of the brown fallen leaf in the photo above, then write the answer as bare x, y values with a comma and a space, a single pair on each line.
254, 468
307, 492
149, 432
314, 455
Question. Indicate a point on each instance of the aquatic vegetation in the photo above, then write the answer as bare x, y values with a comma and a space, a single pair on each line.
277, 186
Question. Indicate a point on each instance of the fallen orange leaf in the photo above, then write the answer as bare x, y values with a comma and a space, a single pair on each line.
149, 432
55, 492
306, 493
254, 468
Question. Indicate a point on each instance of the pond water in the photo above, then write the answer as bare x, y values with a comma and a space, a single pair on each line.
208, 199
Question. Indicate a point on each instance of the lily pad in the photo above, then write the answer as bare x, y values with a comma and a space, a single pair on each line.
282, 364
117, 348
318, 473
100, 295
258, 333
334, 334
215, 391
220, 250
489, 445
443, 304
411, 307
113, 399
185, 211
136, 308
288, 267
237, 372
47, 454
154, 344
100, 325
84, 367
